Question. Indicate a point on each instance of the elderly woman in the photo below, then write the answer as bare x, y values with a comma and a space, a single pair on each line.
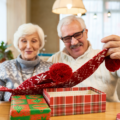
28, 40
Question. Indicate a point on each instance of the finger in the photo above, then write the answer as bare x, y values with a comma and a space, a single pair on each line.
113, 50
111, 44
115, 55
110, 38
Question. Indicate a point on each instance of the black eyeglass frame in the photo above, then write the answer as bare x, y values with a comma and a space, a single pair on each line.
72, 36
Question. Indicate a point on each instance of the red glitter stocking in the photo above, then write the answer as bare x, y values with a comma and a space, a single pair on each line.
60, 75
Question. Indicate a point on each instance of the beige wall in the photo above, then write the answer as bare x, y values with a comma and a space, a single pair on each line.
37, 12
41, 14
17, 14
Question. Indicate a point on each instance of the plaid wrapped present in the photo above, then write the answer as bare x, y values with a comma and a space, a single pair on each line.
29, 107
76, 100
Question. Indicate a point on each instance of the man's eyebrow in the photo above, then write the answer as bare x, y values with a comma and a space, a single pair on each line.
72, 35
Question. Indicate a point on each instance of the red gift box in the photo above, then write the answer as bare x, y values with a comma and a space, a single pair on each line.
29, 107
76, 100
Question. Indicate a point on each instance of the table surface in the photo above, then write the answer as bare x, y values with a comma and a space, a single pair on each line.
112, 108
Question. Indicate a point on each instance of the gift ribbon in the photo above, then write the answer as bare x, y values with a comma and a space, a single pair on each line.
60, 75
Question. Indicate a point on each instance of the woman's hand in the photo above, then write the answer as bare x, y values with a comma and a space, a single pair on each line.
113, 43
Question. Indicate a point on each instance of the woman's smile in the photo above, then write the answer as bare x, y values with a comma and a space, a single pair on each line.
29, 52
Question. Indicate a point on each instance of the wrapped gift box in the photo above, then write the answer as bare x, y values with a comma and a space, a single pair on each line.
76, 100
29, 107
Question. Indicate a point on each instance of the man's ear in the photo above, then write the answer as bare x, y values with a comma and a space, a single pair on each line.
59, 37
86, 31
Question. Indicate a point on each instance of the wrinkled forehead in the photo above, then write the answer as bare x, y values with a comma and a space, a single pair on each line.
28, 32
30, 36
70, 29
67, 22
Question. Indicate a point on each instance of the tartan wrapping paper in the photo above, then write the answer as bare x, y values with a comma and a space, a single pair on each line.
79, 104
29, 107
118, 116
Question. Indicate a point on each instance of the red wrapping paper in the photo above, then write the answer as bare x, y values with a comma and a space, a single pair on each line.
29, 107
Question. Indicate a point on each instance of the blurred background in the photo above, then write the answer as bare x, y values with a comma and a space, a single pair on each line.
102, 19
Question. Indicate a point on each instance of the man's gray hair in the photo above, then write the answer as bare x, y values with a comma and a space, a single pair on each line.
27, 29
67, 20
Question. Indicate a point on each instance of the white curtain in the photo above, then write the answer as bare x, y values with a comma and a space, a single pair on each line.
102, 25
3, 21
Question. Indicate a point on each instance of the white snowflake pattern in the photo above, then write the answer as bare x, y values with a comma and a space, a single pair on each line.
99, 57
80, 78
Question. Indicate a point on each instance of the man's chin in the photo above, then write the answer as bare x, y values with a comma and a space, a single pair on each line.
76, 55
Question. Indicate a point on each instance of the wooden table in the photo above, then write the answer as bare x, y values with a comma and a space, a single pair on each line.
111, 111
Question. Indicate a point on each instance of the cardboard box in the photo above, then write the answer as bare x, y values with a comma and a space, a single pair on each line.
29, 107
76, 100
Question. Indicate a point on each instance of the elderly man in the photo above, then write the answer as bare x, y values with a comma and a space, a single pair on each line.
78, 50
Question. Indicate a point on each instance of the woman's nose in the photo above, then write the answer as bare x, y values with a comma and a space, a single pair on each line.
29, 44
74, 41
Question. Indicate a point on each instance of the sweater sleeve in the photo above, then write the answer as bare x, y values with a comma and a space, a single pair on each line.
51, 59
2, 81
2, 93
55, 58
118, 73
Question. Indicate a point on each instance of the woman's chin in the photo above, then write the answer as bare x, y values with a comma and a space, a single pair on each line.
29, 58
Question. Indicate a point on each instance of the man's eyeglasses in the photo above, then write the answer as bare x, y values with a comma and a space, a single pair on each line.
77, 36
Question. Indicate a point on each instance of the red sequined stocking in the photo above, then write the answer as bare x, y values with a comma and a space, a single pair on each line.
60, 75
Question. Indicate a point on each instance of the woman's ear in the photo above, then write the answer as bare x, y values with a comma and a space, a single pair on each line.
18, 46
39, 43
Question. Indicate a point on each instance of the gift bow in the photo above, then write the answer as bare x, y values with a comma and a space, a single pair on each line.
60, 75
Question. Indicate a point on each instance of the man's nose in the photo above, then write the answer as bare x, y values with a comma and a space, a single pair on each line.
74, 41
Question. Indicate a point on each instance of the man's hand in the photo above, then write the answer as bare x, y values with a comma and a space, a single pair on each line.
113, 43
